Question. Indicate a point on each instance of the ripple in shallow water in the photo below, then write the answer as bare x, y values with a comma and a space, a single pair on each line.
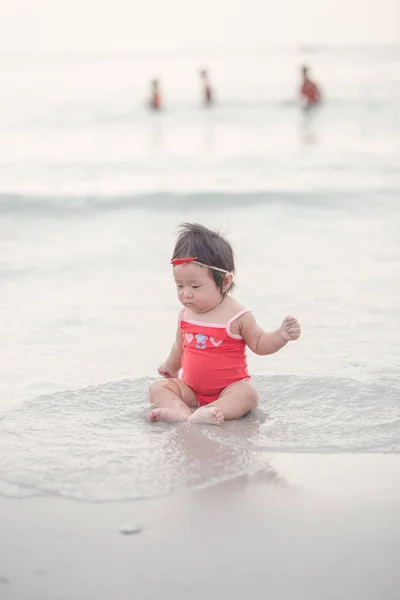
95, 443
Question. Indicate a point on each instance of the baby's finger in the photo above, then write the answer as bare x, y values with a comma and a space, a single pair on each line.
290, 321
294, 330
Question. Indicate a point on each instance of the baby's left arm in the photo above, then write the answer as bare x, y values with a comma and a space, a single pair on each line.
265, 342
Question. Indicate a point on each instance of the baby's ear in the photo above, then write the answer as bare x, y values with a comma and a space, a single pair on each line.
228, 279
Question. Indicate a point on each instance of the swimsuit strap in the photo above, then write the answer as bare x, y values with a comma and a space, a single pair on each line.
228, 325
180, 316
239, 314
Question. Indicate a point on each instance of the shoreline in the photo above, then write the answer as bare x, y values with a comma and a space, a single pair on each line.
313, 526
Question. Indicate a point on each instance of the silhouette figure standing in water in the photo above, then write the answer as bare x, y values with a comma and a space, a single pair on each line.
208, 93
155, 98
309, 91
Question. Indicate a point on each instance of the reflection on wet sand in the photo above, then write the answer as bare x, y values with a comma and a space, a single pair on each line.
210, 455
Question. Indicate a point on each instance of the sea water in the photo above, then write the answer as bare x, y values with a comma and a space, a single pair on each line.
92, 187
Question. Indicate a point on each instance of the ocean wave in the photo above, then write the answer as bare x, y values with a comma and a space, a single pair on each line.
54, 205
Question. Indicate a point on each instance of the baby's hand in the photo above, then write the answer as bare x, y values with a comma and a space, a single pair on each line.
166, 372
290, 329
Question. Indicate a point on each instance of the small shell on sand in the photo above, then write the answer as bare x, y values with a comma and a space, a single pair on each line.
129, 528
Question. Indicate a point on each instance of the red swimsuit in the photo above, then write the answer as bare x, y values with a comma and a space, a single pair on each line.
213, 357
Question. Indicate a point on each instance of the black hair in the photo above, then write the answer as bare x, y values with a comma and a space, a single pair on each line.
210, 248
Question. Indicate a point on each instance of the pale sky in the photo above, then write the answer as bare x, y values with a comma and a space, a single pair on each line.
130, 25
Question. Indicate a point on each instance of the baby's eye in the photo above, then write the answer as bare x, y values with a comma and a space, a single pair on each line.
195, 287
179, 286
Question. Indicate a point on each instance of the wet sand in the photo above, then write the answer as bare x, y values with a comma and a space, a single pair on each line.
308, 527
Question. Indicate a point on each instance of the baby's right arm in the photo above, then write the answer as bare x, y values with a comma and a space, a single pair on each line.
171, 367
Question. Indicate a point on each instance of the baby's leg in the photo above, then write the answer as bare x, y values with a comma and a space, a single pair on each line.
173, 398
234, 402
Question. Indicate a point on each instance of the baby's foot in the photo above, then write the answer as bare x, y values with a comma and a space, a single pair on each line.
209, 415
172, 415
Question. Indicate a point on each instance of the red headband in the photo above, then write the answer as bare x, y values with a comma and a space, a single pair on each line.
181, 261
189, 259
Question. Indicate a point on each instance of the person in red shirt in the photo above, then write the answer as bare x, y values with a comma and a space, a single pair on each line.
155, 99
208, 94
310, 93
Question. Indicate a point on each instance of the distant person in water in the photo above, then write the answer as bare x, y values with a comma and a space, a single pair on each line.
309, 91
208, 94
155, 99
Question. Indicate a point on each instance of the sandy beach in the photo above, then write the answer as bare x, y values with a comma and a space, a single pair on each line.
300, 499
310, 526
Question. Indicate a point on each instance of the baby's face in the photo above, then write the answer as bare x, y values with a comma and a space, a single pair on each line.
196, 289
